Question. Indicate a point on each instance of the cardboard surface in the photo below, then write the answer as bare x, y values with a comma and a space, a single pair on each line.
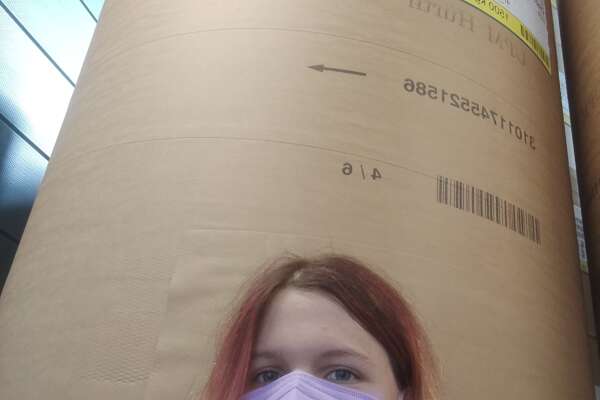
581, 24
200, 144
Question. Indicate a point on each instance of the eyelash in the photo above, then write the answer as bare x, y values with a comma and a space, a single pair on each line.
258, 374
355, 375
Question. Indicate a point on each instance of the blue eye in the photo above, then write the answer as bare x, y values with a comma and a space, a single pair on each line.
265, 377
341, 375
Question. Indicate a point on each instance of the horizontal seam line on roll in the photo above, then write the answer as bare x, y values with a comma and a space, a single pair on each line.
133, 142
365, 41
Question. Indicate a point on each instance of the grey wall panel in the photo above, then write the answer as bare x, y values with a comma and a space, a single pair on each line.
33, 94
21, 171
63, 28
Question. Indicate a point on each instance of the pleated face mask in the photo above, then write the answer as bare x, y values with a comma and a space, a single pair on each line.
299, 385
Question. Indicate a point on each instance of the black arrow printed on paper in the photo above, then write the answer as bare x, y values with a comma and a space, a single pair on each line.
322, 68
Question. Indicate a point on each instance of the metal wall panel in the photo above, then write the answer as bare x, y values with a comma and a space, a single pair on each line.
63, 29
33, 94
95, 6
21, 172
7, 253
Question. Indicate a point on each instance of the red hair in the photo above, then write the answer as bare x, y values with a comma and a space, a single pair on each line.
366, 296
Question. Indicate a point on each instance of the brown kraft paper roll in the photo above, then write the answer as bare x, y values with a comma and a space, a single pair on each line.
206, 138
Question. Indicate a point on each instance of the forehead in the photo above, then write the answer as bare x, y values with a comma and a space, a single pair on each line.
301, 323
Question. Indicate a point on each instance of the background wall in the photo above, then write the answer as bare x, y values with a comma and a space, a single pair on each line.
42, 47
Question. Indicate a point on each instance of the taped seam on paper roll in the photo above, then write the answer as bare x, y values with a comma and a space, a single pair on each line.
524, 30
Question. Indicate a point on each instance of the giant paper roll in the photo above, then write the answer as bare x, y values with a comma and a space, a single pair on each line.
206, 138
581, 24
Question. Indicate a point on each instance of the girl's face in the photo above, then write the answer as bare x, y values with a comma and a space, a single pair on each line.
308, 331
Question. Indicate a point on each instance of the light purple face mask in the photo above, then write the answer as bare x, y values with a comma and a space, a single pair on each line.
299, 385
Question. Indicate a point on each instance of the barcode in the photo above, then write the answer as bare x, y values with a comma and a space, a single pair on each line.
487, 205
535, 44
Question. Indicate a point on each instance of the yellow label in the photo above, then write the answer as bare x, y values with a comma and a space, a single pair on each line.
503, 15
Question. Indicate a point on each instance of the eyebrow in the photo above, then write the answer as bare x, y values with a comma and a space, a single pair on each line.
333, 353
343, 353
